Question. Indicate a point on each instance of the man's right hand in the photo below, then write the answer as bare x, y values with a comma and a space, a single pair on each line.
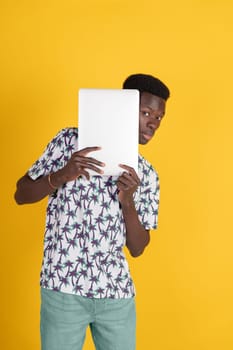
79, 164
30, 191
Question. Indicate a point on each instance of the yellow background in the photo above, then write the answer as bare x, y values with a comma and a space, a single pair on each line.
49, 49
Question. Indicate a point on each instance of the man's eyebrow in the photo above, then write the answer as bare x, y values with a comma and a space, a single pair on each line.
145, 106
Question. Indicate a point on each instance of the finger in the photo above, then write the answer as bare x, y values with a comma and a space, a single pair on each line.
75, 165
83, 162
122, 187
127, 167
126, 185
91, 167
85, 173
81, 159
94, 160
131, 177
130, 170
128, 180
87, 150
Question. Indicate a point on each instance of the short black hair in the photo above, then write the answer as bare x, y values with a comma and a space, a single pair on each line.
147, 83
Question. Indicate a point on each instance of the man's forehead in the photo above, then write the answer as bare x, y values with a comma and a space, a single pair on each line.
152, 101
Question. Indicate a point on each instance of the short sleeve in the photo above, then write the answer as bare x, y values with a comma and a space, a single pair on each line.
147, 197
54, 156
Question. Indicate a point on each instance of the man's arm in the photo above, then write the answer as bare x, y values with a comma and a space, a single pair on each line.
31, 191
137, 237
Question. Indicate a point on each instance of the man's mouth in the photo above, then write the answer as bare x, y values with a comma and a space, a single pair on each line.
147, 136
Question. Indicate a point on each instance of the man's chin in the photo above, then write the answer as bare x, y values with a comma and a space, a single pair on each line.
144, 139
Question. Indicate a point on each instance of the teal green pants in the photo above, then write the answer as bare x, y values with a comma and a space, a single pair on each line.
65, 318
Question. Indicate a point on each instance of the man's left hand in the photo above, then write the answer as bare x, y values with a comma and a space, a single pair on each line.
127, 184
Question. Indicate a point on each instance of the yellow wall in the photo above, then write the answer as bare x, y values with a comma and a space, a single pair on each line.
49, 49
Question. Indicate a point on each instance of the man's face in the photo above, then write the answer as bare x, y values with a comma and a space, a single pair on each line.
152, 110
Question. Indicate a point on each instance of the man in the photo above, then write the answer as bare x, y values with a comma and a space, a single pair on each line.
85, 278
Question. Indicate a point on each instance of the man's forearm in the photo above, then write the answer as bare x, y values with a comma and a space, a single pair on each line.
31, 191
137, 237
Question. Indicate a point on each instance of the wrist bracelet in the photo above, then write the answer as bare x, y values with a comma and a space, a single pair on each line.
50, 183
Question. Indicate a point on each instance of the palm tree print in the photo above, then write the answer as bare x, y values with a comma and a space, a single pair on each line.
85, 231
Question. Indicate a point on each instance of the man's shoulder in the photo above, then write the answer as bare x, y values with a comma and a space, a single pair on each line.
69, 132
65, 135
145, 166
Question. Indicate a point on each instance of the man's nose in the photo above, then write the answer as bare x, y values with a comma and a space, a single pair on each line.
153, 124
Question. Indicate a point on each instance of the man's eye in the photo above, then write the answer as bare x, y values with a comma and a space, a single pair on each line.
146, 114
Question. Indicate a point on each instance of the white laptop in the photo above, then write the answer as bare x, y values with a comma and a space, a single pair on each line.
109, 118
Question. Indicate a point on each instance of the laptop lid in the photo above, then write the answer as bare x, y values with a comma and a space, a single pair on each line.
109, 118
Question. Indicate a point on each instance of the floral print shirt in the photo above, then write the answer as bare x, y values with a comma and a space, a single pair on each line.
85, 231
